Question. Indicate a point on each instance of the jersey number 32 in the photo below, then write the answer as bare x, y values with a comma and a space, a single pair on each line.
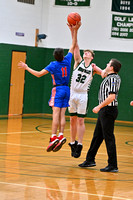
80, 78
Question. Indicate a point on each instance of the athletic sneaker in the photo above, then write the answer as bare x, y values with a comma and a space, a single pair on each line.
53, 142
62, 140
73, 148
78, 151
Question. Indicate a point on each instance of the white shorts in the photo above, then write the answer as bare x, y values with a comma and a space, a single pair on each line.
78, 104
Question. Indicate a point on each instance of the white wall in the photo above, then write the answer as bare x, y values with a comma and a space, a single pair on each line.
94, 33
19, 17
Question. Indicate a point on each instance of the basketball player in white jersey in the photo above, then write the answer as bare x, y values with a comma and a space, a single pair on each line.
82, 76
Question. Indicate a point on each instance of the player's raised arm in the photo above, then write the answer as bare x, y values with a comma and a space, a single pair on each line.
74, 31
77, 56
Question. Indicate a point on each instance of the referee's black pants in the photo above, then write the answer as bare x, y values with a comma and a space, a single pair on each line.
104, 130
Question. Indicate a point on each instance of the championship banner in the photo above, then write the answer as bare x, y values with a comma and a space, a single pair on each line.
122, 26
123, 6
72, 2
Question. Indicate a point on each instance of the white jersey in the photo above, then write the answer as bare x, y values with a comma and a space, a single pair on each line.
81, 78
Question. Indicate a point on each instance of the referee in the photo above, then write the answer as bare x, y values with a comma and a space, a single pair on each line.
107, 114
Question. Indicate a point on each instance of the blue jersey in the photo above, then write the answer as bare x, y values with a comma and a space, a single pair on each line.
60, 71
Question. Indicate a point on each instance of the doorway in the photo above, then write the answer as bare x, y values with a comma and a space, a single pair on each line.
16, 84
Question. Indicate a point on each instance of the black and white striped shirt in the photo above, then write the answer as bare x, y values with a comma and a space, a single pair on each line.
110, 85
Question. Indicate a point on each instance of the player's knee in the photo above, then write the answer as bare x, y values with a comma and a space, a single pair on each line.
81, 121
73, 120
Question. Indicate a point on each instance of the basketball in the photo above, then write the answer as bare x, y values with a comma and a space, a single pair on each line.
73, 17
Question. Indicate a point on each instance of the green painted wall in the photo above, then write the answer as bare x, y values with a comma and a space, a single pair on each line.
33, 91
5, 62
37, 90
34, 87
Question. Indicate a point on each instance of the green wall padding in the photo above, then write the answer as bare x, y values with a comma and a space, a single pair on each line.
5, 62
34, 86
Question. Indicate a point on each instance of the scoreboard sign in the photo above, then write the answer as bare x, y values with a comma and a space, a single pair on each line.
72, 2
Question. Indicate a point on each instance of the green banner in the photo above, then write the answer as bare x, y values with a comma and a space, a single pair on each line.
122, 26
72, 2
124, 6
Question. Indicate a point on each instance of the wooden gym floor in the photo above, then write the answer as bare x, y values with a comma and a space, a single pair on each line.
28, 172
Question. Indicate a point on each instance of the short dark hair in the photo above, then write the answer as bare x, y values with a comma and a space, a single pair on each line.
91, 51
116, 65
58, 54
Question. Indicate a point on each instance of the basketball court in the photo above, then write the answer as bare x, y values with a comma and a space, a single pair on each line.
28, 171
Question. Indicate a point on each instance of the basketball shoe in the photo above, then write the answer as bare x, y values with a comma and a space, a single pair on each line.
62, 140
53, 142
73, 147
78, 151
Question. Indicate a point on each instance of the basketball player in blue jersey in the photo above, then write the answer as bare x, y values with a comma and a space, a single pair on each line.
60, 72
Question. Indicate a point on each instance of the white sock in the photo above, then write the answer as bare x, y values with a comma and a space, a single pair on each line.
53, 135
60, 134
72, 142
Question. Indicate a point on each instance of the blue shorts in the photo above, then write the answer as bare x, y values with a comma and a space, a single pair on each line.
60, 97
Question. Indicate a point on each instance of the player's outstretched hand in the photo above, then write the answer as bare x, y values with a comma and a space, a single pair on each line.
22, 65
77, 26
72, 27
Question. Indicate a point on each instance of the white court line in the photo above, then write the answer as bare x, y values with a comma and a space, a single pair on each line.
66, 191
41, 147
19, 132
49, 131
